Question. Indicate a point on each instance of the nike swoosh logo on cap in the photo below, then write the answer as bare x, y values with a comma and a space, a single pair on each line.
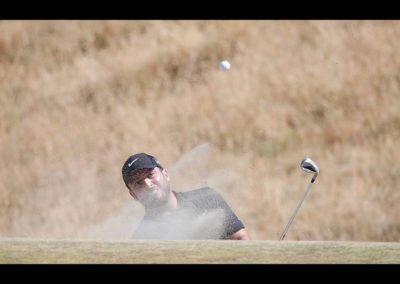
131, 163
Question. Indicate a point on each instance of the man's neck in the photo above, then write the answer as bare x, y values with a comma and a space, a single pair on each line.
172, 201
169, 206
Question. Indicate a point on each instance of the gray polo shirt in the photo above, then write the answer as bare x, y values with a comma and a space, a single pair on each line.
201, 214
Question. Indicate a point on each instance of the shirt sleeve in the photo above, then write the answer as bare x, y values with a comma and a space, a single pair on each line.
211, 199
233, 222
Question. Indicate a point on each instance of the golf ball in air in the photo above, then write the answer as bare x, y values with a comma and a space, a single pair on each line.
224, 65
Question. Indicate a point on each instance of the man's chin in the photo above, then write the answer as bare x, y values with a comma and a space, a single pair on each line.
155, 201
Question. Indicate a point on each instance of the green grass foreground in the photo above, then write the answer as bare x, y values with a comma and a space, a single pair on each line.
25, 251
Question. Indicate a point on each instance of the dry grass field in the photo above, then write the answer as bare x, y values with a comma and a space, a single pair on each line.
78, 97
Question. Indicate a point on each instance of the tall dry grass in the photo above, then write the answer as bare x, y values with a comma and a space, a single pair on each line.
78, 97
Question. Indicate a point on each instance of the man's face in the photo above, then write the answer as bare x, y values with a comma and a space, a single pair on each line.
150, 187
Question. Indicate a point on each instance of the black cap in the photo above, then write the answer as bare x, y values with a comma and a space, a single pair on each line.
137, 162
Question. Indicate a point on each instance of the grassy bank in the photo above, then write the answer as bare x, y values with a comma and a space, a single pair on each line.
181, 252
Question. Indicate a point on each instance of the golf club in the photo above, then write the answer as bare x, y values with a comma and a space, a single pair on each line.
308, 166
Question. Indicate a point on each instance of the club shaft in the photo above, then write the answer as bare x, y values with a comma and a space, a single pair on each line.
295, 212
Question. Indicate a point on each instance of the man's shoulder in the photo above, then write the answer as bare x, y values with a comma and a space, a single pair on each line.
199, 192
204, 197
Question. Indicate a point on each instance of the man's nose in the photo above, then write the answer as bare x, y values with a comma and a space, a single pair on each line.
148, 182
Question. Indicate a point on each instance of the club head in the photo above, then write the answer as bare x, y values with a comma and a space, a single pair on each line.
309, 166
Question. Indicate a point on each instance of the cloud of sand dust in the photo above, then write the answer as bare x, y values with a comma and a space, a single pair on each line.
191, 171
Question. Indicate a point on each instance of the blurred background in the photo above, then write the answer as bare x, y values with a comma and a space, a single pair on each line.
78, 97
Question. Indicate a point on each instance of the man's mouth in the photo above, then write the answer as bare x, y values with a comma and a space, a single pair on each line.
150, 196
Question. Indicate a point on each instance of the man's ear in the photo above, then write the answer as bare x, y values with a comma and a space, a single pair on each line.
132, 194
165, 173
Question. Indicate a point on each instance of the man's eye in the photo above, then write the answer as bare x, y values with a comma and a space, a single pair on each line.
138, 183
